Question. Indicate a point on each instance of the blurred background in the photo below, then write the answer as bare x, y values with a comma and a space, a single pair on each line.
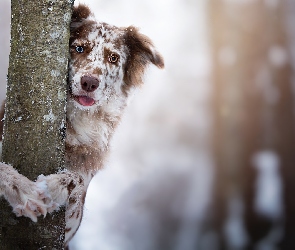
204, 156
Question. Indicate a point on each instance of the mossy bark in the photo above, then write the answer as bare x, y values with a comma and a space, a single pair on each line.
34, 127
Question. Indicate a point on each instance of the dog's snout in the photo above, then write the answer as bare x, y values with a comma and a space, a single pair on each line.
89, 83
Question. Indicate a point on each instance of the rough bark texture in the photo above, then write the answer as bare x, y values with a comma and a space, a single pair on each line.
34, 128
254, 112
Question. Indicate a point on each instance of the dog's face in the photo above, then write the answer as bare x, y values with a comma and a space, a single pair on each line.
106, 61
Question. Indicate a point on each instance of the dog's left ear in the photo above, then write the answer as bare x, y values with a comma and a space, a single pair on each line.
81, 22
142, 52
79, 15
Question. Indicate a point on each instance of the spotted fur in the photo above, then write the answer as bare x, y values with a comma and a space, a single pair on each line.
107, 63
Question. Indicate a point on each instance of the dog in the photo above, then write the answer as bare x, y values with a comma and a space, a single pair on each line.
106, 64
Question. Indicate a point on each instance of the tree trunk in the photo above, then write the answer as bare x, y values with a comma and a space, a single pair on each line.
253, 117
34, 127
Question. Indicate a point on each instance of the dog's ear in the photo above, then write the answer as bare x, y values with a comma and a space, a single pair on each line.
79, 16
81, 22
142, 52
80, 13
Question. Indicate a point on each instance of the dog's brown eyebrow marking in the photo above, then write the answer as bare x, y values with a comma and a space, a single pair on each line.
82, 30
97, 71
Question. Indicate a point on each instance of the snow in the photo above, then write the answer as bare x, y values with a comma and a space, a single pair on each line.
234, 228
268, 200
50, 117
18, 118
47, 53
56, 34
61, 95
269, 196
4, 40
278, 56
67, 17
55, 73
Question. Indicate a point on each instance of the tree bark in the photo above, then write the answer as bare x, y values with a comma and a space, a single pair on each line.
34, 127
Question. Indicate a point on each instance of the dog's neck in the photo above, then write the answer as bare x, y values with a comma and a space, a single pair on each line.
91, 129
88, 136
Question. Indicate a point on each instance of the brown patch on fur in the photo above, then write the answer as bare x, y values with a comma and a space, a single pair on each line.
78, 214
80, 12
80, 26
80, 59
72, 200
71, 186
81, 31
15, 188
141, 53
83, 197
72, 214
83, 157
96, 71
1, 119
87, 47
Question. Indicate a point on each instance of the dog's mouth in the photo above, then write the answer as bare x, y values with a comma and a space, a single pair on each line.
84, 100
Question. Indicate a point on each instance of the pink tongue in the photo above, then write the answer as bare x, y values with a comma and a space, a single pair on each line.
85, 100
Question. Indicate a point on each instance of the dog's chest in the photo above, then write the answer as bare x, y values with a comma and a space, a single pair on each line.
93, 133
84, 159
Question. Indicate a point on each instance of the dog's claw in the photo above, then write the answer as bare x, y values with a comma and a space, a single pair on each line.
35, 203
30, 209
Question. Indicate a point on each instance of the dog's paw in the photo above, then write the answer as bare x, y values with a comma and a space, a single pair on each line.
31, 199
44, 194
27, 198
31, 209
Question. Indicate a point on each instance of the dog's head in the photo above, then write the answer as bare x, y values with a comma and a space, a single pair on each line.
106, 61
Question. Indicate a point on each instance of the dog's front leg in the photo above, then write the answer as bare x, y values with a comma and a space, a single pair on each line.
68, 189
26, 197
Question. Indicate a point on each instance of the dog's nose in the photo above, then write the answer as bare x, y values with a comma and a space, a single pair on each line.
89, 83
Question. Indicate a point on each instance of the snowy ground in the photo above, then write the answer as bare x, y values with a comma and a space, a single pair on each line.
156, 186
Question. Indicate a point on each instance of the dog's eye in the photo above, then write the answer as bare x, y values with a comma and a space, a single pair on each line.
79, 49
113, 58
